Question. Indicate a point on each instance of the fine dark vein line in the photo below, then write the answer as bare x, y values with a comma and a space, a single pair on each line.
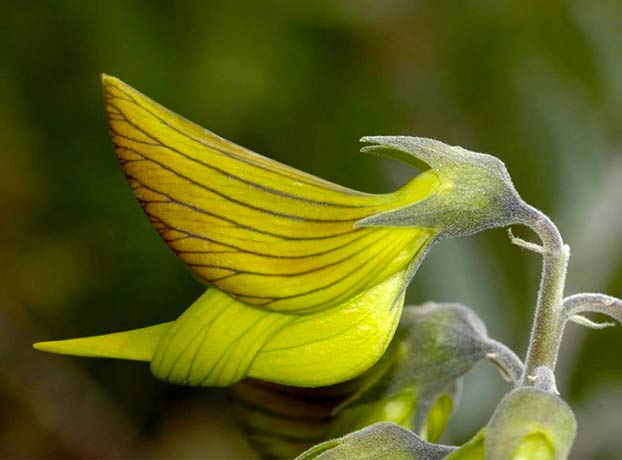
227, 352
171, 200
166, 342
162, 144
145, 157
299, 176
318, 289
197, 236
287, 275
174, 335
198, 349
235, 223
202, 332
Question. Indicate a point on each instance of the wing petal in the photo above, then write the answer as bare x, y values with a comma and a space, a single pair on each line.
261, 231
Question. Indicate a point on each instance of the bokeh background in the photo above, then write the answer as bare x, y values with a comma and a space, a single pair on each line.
536, 83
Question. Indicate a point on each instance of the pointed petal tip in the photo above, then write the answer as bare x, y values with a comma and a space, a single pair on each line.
135, 345
41, 346
110, 82
107, 79
378, 143
61, 347
411, 145
382, 140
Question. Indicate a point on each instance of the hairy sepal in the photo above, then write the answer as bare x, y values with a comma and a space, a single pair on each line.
475, 192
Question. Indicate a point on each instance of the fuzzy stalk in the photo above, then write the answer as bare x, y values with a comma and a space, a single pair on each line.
548, 323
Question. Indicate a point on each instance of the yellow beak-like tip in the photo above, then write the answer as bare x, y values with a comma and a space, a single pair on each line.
136, 345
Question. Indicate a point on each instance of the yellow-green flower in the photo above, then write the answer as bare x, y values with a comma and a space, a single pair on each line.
306, 277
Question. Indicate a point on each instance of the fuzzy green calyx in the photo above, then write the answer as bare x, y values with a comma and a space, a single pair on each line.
380, 441
531, 423
475, 193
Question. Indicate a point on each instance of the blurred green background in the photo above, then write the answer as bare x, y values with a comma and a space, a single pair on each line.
536, 83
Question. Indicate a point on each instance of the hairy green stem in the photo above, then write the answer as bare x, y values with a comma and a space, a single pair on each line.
549, 318
506, 360
593, 303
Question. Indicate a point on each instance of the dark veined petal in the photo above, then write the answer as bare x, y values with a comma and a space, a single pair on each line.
261, 231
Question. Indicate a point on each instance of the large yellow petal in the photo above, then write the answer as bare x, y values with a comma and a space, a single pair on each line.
264, 233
